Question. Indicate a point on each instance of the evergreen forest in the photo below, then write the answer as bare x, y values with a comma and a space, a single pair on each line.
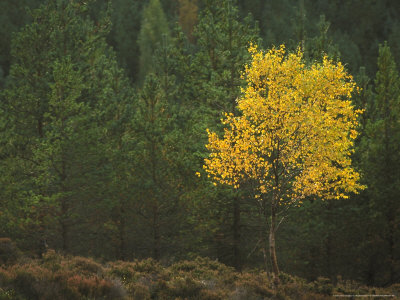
109, 111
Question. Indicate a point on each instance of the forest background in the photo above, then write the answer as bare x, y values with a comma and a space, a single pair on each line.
103, 116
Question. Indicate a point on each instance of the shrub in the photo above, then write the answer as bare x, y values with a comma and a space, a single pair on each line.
9, 252
147, 266
7, 294
58, 277
323, 286
395, 290
85, 266
124, 271
252, 286
89, 287
213, 295
205, 269
52, 260
141, 292
95, 287
5, 277
28, 280
185, 287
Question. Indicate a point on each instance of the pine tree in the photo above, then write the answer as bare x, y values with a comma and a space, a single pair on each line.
382, 161
222, 41
158, 184
63, 104
126, 19
154, 32
188, 12
13, 16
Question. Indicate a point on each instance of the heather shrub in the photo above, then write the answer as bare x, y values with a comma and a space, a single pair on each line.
87, 266
52, 260
286, 278
219, 294
349, 287
395, 290
123, 270
5, 277
9, 252
185, 287
252, 286
35, 282
58, 277
298, 291
117, 290
323, 286
205, 269
147, 266
7, 294
51, 256
140, 292
91, 287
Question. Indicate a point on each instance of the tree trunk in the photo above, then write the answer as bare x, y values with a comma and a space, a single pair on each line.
272, 249
236, 233
121, 231
329, 244
391, 252
156, 233
64, 208
64, 225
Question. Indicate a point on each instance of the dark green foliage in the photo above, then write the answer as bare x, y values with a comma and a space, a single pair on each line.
64, 98
222, 41
154, 32
152, 125
8, 251
381, 163
126, 19
13, 15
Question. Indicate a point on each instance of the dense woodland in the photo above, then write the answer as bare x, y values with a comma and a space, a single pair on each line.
103, 115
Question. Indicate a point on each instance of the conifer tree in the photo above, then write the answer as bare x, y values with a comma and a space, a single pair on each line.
126, 19
154, 32
159, 181
222, 41
62, 107
382, 161
188, 11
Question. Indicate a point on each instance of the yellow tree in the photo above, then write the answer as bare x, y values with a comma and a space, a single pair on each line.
293, 137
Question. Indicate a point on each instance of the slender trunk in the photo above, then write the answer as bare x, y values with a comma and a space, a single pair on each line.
236, 233
302, 32
272, 248
156, 233
371, 271
64, 208
121, 229
64, 225
264, 251
329, 244
391, 252
389, 179
265, 256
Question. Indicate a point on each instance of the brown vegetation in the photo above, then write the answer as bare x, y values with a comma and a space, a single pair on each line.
62, 277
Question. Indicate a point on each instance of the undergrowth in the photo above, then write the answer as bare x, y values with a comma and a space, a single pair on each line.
55, 276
